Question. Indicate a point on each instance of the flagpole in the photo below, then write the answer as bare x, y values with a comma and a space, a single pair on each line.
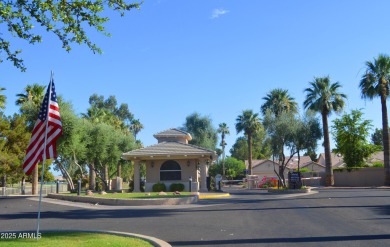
44, 156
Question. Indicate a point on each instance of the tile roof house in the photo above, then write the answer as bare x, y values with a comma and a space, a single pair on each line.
266, 167
337, 160
376, 157
172, 160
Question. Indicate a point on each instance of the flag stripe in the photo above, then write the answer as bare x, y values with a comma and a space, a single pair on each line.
47, 125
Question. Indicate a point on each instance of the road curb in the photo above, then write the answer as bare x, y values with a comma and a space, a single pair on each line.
154, 241
126, 202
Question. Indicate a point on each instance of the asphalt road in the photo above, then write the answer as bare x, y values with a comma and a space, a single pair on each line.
331, 217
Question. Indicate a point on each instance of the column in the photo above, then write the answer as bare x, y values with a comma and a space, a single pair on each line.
136, 177
203, 176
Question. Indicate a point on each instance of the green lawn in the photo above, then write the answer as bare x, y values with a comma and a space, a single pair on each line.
144, 195
74, 239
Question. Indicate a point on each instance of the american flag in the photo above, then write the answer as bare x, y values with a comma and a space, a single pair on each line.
48, 124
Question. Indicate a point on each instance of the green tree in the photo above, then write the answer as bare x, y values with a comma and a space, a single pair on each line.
32, 93
71, 146
324, 97
307, 135
234, 168
350, 133
375, 83
223, 129
261, 147
14, 138
106, 111
279, 100
2, 98
202, 131
377, 137
249, 123
69, 21
135, 127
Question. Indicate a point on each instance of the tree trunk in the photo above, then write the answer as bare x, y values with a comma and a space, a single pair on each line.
119, 170
4, 180
106, 178
92, 177
386, 142
329, 179
250, 154
66, 175
35, 180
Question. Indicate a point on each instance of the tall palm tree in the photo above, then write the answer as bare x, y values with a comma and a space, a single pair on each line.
324, 97
278, 100
33, 93
2, 98
135, 127
224, 130
249, 123
375, 83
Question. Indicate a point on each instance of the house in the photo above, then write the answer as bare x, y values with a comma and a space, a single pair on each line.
305, 162
267, 167
376, 157
263, 168
337, 160
172, 160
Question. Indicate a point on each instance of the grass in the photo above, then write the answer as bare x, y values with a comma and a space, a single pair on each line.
75, 239
145, 195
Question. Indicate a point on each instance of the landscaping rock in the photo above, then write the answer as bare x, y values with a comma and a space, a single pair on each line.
89, 193
162, 193
102, 193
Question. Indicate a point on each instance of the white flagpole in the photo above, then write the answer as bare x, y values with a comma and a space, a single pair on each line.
44, 156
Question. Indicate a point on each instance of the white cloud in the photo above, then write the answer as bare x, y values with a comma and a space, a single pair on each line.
218, 12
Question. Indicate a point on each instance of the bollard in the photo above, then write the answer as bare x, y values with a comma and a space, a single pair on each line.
190, 184
78, 187
58, 187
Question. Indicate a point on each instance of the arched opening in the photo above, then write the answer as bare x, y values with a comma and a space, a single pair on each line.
170, 170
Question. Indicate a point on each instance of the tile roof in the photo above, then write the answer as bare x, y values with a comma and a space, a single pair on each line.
293, 163
336, 159
167, 149
173, 133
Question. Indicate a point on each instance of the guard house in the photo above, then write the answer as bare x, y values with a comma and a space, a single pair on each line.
172, 160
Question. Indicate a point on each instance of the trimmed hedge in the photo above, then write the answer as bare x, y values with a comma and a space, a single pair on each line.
176, 187
158, 187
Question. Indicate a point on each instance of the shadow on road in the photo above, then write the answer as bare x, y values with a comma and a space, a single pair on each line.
281, 240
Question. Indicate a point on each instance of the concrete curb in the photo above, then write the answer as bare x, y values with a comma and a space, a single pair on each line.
154, 241
213, 195
127, 202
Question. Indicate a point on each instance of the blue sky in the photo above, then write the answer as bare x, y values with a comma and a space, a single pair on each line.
172, 58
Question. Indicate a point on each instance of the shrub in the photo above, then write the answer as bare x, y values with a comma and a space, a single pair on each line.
378, 164
158, 187
176, 187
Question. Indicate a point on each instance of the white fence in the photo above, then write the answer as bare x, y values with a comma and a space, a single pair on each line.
47, 188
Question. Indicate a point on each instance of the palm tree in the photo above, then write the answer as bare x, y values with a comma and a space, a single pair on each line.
135, 127
224, 130
249, 123
375, 83
324, 97
33, 93
278, 100
2, 98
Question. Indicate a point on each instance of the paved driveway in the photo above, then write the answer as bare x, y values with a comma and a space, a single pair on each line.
332, 217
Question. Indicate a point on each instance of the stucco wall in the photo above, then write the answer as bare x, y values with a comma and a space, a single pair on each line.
372, 176
187, 170
266, 169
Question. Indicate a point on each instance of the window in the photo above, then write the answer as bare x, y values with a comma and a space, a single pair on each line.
170, 170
